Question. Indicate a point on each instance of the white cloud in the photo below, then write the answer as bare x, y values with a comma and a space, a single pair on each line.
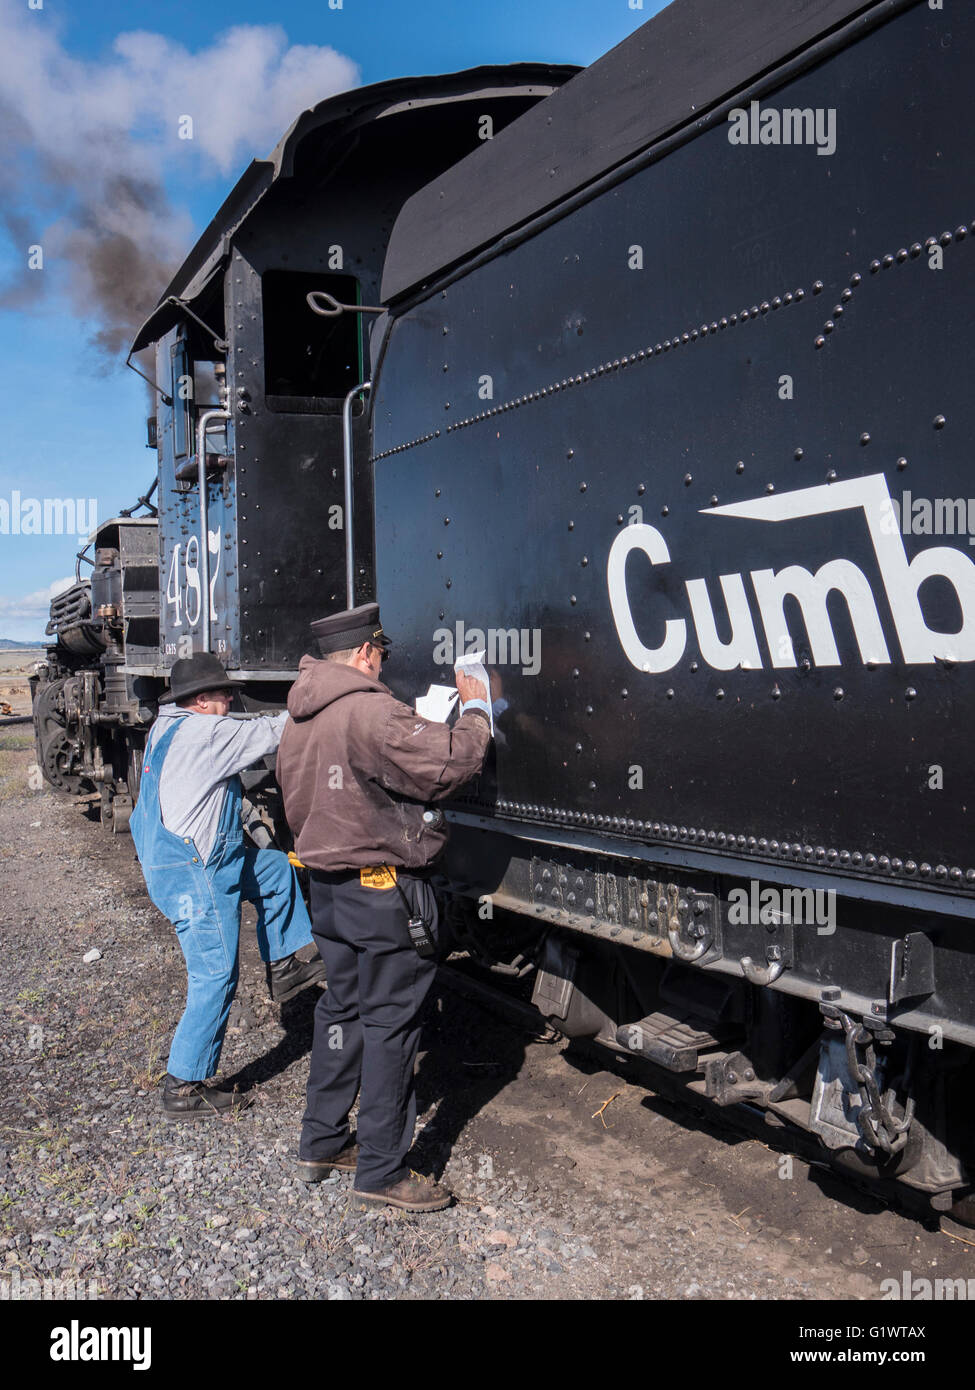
33, 605
242, 92
87, 144
25, 617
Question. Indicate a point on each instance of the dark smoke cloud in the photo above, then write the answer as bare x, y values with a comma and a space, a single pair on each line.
122, 262
87, 146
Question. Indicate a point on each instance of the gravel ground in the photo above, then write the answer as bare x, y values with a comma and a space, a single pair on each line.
572, 1182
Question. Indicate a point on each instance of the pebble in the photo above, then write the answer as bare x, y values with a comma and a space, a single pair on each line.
502, 1238
91, 956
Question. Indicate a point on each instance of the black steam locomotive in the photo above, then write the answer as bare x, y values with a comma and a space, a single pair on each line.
650, 381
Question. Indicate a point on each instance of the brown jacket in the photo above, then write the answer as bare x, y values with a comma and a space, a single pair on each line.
357, 769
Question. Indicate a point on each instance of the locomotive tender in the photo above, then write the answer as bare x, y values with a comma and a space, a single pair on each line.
668, 408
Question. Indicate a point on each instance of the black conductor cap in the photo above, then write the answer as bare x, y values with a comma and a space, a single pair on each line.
349, 629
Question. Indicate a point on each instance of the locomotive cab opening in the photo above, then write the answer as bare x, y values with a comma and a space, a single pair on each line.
311, 360
196, 382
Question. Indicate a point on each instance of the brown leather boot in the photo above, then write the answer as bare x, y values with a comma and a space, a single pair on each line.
412, 1193
315, 1169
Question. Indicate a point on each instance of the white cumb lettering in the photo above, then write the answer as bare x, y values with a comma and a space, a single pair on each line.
650, 659
811, 592
742, 651
902, 578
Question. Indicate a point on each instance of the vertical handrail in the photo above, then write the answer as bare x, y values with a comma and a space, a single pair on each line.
347, 463
201, 459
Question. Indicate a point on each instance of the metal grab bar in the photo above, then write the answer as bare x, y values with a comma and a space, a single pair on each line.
347, 463
201, 458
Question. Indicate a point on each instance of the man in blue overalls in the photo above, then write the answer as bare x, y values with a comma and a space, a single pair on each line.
189, 838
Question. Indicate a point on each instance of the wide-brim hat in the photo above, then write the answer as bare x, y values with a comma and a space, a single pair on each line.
349, 629
192, 675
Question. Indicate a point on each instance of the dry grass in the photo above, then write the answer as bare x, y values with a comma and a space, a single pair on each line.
149, 1077
16, 758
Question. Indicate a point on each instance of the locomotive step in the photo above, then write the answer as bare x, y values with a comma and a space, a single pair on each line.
676, 1041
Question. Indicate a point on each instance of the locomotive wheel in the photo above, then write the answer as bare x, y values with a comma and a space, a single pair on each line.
134, 770
121, 811
55, 749
118, 801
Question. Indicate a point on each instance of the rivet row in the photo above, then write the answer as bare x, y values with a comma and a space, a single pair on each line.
899, 257
705, 330
889, 865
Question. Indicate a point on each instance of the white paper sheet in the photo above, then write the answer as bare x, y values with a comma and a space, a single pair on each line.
473, 665
437, 703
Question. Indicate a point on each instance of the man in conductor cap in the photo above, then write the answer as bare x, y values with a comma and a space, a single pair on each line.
358, 771
189, 837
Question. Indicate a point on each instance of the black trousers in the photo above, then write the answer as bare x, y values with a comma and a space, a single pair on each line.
366, 1022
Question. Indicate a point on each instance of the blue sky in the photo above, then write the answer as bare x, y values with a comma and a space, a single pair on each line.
81, 98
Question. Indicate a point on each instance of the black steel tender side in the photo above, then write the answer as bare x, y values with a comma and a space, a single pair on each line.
672, 416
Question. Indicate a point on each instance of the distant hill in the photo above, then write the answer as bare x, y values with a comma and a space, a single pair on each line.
6, 645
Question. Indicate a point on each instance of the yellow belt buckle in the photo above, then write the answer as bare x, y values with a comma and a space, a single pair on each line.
382, 876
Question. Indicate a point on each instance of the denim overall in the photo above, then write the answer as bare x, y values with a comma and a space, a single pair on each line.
203, 902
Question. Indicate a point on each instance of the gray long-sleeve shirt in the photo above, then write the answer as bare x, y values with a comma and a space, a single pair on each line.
207, 750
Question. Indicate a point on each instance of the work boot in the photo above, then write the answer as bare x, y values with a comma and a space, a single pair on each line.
315, 1169
194, 1100
287, 976
412, 1193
